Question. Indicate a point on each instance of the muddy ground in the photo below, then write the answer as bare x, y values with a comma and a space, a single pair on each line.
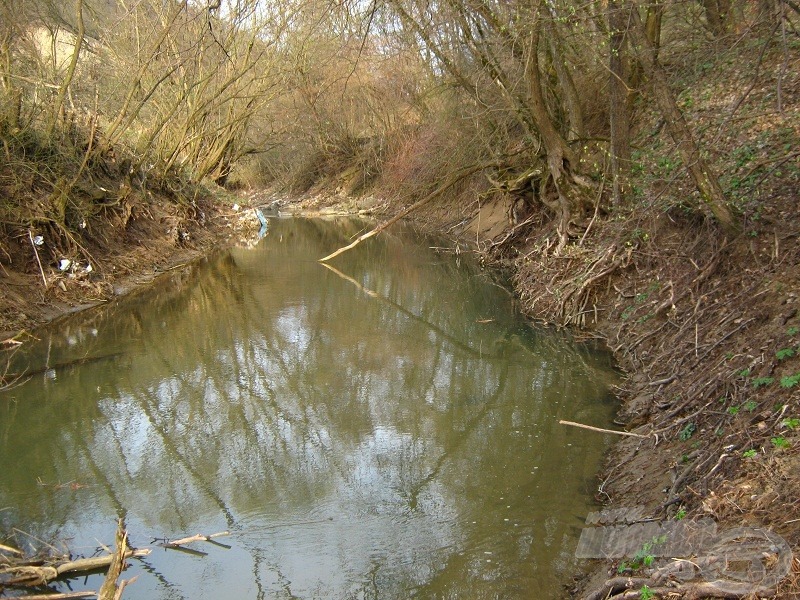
707, 330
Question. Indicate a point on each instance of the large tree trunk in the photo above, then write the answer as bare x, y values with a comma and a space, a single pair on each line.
619, 116
561, 161
705, 179
571, 99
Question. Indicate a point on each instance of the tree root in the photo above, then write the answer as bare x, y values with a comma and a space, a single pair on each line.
630, 588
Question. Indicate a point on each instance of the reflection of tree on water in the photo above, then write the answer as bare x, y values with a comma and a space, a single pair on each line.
284, 393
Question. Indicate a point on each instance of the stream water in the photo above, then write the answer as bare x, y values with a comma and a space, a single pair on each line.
384, 429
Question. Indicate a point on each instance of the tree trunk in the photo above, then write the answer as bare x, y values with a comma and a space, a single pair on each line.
716, 15
73, 65
655, 14
560, 158
619, 115
705, 179
571, 99
653, 19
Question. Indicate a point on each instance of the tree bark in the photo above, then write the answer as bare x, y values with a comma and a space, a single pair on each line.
653, 19
655, 13
705, 179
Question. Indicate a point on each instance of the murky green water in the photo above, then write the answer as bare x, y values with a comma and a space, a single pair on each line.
389, 430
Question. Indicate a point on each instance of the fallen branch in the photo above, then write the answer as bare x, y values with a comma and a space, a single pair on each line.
108, 591
10, 550
41, 575
195, 538
437, 192
38, 260
65, 365
627, 588
601, 430
63, 596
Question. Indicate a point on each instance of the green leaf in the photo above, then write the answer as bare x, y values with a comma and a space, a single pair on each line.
762, 381
791, 423
790, 380
687, 431
780, 442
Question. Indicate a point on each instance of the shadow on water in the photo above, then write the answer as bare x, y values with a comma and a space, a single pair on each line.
386, 427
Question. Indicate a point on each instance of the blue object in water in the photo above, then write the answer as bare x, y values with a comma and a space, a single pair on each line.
264, 223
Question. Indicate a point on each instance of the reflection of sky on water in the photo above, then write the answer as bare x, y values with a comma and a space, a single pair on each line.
383, 444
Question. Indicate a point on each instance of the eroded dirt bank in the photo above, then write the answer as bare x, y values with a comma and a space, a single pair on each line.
41, 281
706, 328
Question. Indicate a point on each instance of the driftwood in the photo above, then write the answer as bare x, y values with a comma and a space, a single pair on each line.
10, 550
17, 570
630, 588
601, 430
109, 589
199, 537
63, 596
28, 574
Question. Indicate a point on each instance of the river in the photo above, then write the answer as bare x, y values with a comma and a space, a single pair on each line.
386, 428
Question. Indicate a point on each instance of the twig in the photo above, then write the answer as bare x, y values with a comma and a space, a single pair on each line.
11, 550
38, 261
63, 596
601, 430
